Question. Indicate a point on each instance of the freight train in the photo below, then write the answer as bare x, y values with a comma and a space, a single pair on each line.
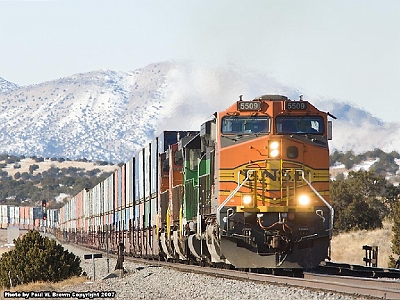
28, 217
250, 189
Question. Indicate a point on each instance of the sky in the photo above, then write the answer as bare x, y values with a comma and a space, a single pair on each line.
347, 50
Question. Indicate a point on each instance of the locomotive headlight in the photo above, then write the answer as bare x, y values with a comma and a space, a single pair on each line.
274, 149
247, 200
304, 200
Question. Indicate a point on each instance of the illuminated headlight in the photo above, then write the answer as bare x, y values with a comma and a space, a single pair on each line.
274, 149
247, 200
304, 200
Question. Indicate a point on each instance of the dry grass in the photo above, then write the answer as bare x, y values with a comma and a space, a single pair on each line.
347, 247
45, 286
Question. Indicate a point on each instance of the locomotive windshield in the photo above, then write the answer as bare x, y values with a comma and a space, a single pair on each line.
299, 125
245, 125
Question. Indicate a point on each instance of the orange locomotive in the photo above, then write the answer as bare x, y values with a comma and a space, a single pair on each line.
271, 191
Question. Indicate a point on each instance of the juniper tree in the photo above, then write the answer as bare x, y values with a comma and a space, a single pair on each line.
37, 258
393, 259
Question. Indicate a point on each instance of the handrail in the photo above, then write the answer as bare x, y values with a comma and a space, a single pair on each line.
323, 200
232, 194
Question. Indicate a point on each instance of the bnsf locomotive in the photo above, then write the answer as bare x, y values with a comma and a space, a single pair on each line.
250, 190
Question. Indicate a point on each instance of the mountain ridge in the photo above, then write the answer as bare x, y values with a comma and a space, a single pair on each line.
108, 115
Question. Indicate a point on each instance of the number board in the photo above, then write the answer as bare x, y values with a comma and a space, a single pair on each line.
296, 105
248, 105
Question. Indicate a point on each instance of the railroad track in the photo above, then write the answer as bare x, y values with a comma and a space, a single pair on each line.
377, 288
342, 269
366, 287
372, 288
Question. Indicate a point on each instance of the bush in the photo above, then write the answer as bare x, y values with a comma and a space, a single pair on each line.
37, 258
361, 201
33, 168
396, 236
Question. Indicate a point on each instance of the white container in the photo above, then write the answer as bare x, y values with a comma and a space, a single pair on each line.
129, 182
154, 167
147, 173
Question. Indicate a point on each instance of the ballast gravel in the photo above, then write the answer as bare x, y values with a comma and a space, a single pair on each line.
142, 281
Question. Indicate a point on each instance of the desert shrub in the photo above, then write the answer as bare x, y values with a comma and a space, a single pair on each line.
396, 237
33, 168
360, 201
37, 258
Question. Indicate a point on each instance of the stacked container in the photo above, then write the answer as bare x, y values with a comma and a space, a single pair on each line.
129, 191
52, 218
3, 216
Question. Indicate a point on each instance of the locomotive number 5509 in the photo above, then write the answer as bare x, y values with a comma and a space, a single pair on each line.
248, 105
296, 105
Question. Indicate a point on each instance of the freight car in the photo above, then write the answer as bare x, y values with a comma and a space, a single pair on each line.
250, 189
26, 217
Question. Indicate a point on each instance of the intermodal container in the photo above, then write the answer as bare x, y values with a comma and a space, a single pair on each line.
123, 185
79, 209
167, 138
146, 213
132, 214
154, 167
147, 173
140, 174
127, 218
3, 216
137, 216
153, 210
108, 194
141, 216
129, 182
117, 188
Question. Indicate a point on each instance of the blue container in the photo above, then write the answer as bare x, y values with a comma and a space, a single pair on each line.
167, 138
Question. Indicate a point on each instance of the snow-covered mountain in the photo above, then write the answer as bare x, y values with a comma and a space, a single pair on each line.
109, 115
7, 86
358, 130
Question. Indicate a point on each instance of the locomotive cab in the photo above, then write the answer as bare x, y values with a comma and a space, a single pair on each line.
273, 186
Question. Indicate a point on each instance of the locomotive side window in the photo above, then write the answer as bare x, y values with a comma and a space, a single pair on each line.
178, 158
194, 156
245, 125
165, 165
299, 125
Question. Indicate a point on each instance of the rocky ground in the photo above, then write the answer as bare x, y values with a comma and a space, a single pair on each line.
142, 281
153, 282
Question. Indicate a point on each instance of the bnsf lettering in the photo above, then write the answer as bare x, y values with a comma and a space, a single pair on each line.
274, 175
271, 174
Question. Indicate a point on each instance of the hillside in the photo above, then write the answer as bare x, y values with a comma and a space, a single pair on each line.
28, 180
25, 163
108, 115
347, 247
